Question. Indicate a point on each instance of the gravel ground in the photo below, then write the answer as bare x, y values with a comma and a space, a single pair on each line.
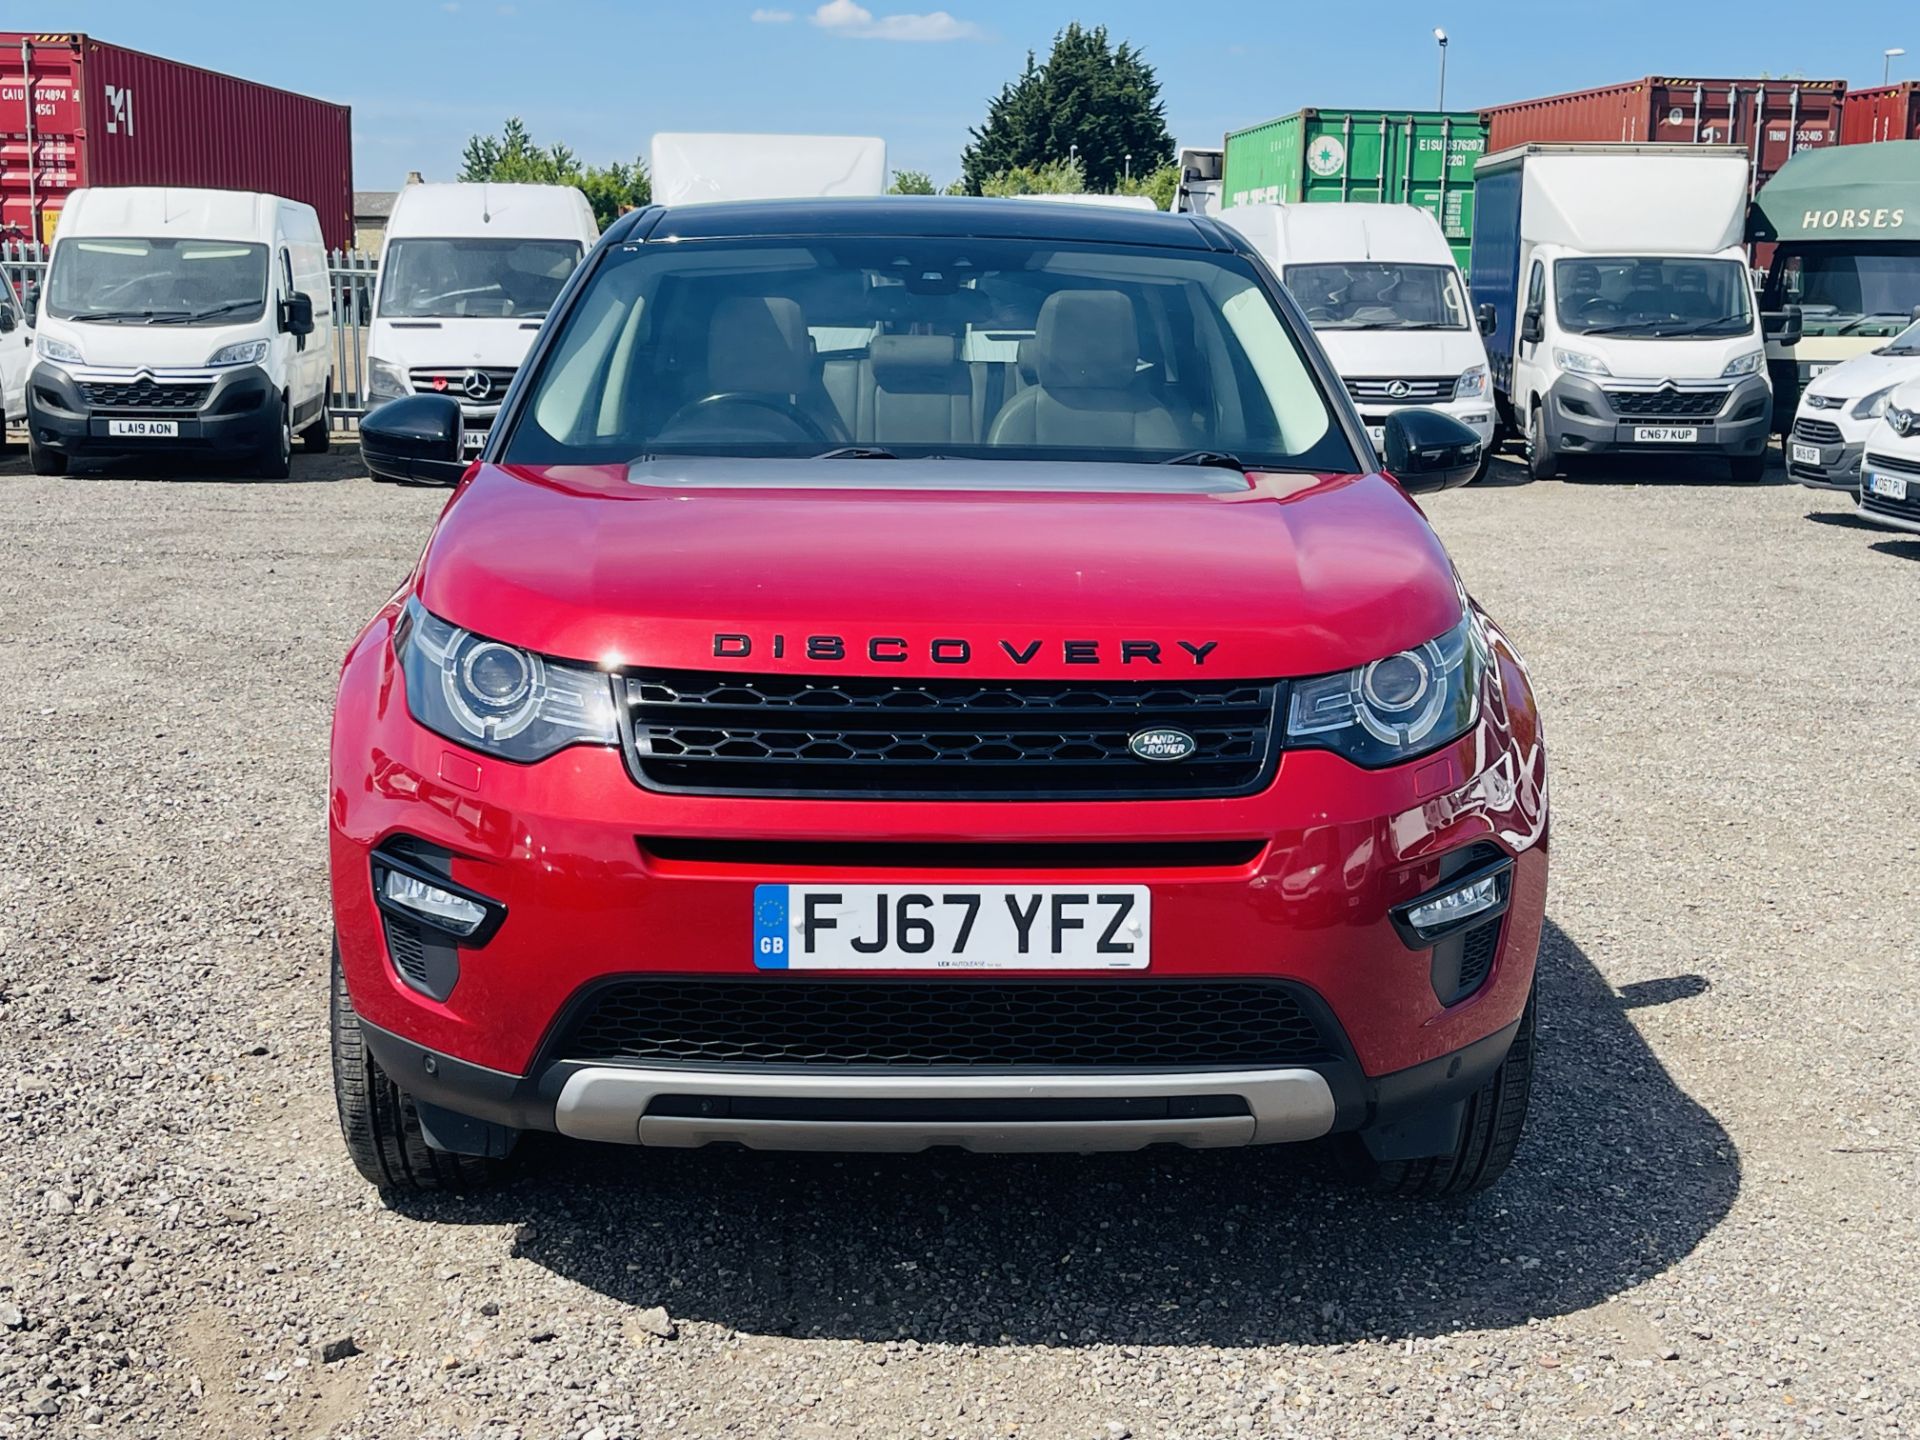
1710, 1229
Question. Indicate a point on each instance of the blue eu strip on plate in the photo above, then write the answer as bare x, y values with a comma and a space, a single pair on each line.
770, 927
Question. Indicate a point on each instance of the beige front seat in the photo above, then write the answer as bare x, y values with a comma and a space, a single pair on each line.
1086, 392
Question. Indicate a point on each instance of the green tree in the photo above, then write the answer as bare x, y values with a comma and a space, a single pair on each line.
1056, 177
1159, 185
1091, 100
911, 182
512, 158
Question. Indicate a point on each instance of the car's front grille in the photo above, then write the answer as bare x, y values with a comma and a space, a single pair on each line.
1424, 390
950, 1021
475, 385
1816, 432
144, 395
870, 738
1666, 403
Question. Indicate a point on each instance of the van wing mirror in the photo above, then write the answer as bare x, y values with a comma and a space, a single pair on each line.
1486, 319
1429, 450
416, 440
1531, 329
1788, 325
30, 301
7, 322
296, 313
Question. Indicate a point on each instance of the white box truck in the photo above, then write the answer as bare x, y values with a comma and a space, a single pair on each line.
1386, 299
467, 273
1617, 302
690, 168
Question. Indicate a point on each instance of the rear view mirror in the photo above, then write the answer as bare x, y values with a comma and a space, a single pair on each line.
296, 314
1429, 450
1486, 319
1531, 329
417, 440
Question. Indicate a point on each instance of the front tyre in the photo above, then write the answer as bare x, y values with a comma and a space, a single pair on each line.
1489, 1133
1748, 469
44, 461
276, 460
378, 1119
1542, 463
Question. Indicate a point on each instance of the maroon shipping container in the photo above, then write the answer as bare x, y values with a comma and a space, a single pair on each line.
1886, 112
1773, 119
75, 111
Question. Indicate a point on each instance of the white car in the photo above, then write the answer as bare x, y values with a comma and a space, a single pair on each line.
1843, 407
1890, 472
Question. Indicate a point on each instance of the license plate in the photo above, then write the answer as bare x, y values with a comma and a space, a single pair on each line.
1893, 487
144, 429
951, 927
1806, 454
473, 440
1665, 434
1814, 371
1378, 435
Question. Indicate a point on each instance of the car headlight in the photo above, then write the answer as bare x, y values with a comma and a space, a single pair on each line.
385, 382
1903, 422
1747, 364
1580, 362
499, 698
1472, 385
1394, 709
1872, 407
246, 352
52, 349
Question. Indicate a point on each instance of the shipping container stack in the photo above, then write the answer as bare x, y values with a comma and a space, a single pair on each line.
1886, 112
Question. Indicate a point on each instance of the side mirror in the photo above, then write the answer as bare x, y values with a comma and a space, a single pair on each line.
1914, 314
7, 321
1486, 319
1531, 329
418, 440
1790, 325
30, 301
1430, 450
296, 313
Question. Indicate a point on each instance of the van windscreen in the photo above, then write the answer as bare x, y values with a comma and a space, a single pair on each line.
424, 279
129, 280
1379, 295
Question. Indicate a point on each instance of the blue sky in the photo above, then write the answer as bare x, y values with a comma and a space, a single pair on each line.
602, 75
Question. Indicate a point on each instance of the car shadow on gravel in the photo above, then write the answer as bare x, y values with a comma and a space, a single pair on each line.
1620, 1176
341, 462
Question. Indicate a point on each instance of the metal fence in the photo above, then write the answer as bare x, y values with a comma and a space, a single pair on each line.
353, 275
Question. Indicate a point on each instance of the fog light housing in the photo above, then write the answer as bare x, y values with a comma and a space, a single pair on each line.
1474, 895
409, 890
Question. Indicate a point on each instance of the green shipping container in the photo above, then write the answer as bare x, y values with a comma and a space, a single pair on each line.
1401, 157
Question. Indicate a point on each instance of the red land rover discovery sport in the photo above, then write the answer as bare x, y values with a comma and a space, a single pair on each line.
940, 672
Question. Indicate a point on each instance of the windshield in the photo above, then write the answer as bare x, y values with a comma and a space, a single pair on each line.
902, 346
442, 279
1907, 342
1836, 287
1379, 296
130, 281
1667, 298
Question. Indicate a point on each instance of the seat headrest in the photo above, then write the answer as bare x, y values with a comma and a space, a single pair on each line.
1029, 372
758, 345
1086, 340
914, 364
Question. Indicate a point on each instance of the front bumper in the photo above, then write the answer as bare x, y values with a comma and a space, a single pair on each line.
1824, 464
1884, 510
570, 849
1582, 420
1477, 415
239, 416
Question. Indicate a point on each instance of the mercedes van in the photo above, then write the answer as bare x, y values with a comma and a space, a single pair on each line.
1385, 296
466, 275
178, 320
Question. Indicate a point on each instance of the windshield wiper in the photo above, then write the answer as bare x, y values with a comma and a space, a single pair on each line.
147, 317
1703, 326
226, 309
858, 452
1217, 459
1847, 329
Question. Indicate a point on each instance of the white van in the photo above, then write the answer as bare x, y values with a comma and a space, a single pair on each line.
1386, 299
696, 167
181, 320
467, 273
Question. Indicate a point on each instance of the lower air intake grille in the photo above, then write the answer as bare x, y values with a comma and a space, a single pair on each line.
869, 738
1476, 956
1134, 1023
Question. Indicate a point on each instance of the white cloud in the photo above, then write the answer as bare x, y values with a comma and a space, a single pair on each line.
845, 17
771, 17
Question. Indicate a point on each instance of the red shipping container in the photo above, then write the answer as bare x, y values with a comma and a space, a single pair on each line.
75, 111
1886, 112
1773, 119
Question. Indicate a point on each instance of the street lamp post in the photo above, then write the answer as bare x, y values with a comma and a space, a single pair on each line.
1887, 57
1128, 158
1441, 36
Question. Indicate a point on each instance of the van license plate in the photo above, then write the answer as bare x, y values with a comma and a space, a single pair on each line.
1378, 435
951, 927
1806, 454
1665, 434
144, 429
1893, 487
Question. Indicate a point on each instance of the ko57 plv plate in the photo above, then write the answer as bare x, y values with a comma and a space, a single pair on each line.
951, 927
